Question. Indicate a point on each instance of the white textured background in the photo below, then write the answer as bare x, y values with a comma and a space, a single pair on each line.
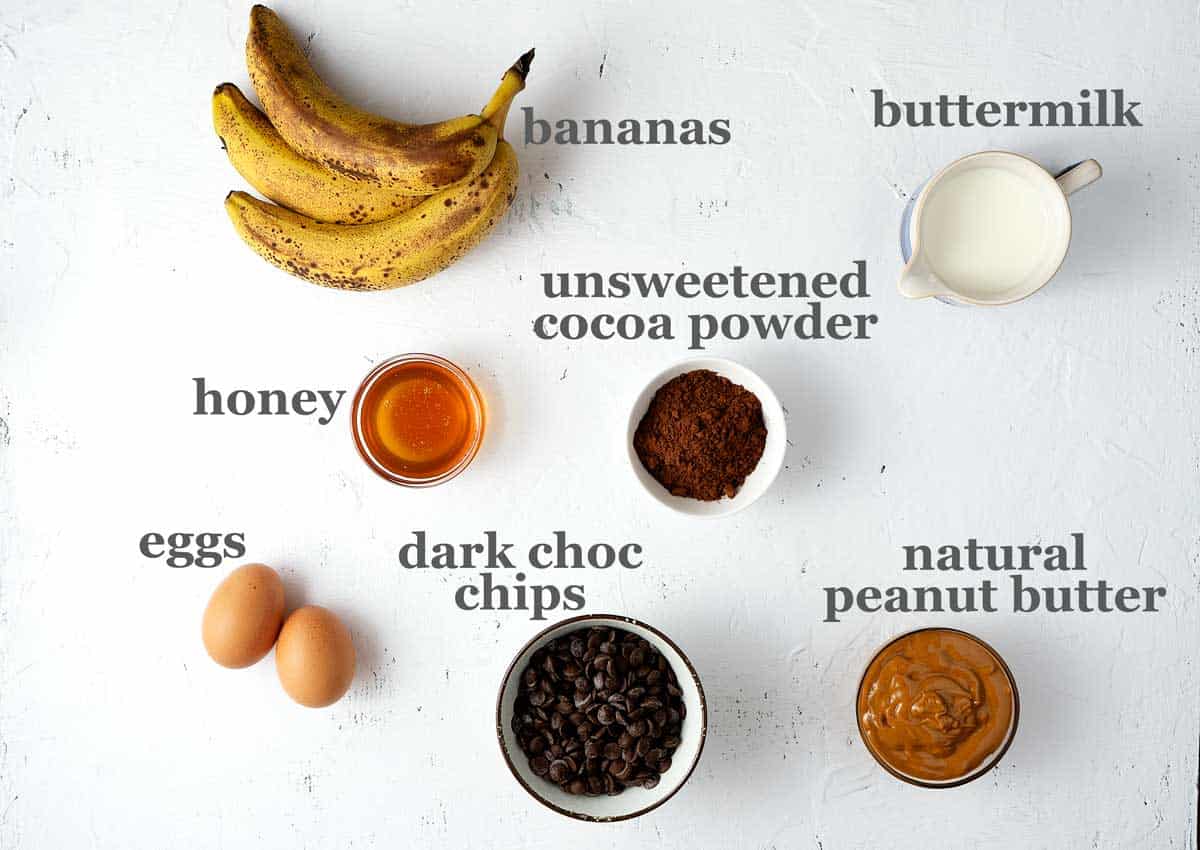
1073, 411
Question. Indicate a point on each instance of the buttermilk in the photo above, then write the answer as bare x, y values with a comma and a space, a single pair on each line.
1095, 108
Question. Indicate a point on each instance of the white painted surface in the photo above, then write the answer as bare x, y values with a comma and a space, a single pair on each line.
1074, 410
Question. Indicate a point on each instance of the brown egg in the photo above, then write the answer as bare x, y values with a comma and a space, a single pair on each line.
243, 616
314, 657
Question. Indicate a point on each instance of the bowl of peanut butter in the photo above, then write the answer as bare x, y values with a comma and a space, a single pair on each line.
937, 707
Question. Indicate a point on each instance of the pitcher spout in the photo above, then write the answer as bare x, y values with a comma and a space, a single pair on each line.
919, 281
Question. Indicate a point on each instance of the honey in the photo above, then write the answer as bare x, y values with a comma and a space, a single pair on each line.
418, 420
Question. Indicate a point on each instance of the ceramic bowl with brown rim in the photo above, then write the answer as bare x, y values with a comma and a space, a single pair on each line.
937, 707
632, 801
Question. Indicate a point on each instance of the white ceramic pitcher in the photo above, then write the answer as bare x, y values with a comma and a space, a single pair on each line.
921, 277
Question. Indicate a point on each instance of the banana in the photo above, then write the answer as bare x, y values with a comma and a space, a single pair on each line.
261, 155
386, 254
412, 159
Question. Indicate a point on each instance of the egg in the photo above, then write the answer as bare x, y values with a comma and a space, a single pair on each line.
314, 657
243, 616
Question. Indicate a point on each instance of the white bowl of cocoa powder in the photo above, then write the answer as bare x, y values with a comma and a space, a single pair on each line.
695, 440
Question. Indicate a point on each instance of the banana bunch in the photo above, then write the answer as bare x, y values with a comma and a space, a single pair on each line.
361, 201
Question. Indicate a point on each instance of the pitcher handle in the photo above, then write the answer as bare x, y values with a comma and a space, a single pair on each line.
1073, 178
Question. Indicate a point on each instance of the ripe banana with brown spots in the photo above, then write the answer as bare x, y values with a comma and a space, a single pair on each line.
386, 254
321, 126
261, 155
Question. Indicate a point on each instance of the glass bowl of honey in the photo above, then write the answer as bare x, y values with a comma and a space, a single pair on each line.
418, 420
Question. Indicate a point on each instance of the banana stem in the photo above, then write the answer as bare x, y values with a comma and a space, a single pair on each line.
511, 84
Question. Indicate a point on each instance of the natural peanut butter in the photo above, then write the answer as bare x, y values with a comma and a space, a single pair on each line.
935, 704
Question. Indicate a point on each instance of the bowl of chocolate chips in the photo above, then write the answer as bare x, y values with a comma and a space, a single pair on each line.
601, 718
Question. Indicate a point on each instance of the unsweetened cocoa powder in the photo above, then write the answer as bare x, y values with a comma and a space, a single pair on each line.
702, 435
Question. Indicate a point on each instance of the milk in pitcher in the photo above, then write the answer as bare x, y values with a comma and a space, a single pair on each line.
984, 231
